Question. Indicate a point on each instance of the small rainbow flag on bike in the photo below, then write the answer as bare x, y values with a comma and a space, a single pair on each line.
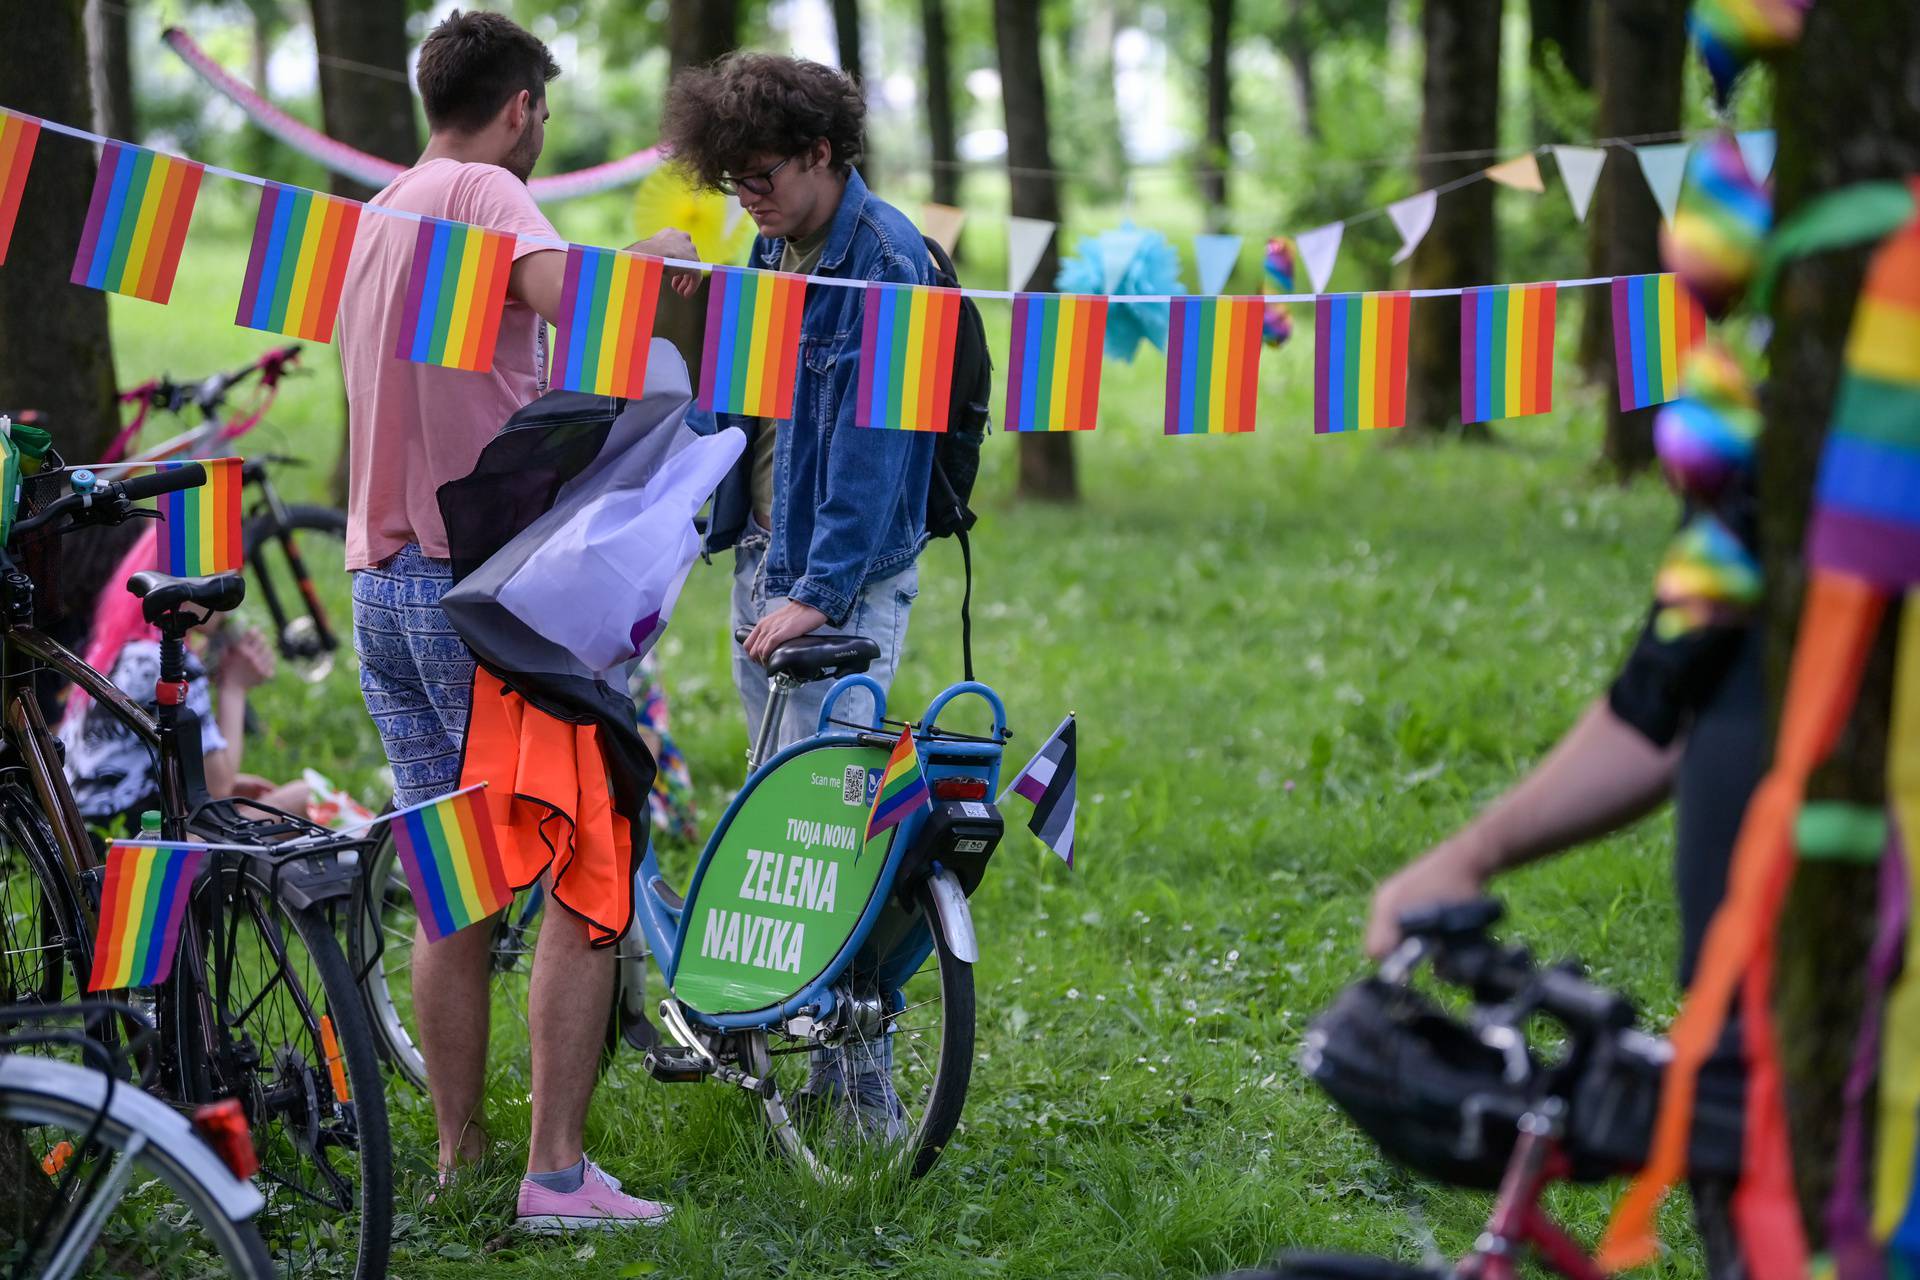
143, 899
1656, 322
136, 222
200, 527
1213, 365
1506, 351
906, 357
607, 303
18, 136
1053, 373
301, 243
902, 791
452, 861
455, 293
753, 342
1360, 361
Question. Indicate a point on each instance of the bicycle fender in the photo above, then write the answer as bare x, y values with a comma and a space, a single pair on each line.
955, 919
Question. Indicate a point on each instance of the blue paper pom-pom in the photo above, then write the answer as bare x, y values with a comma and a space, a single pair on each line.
1126, 260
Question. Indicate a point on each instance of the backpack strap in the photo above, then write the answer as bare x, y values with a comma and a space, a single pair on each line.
966, 605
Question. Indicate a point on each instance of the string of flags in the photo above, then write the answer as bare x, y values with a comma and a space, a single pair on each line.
143, 201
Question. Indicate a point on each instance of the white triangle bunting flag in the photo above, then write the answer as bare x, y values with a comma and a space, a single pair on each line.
1664, 166
1757, 148
1213, 259
942, 223
1522, 173
1580, 170
1412, 216
1318, 248
1027, 240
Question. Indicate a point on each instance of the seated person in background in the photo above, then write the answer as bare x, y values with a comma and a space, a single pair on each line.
113, 774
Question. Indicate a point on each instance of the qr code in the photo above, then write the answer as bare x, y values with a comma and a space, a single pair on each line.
853, 786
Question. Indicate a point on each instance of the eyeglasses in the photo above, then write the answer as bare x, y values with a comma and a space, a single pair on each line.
756, 184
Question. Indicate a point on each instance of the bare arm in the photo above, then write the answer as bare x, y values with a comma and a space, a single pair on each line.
540, 278
1601, 776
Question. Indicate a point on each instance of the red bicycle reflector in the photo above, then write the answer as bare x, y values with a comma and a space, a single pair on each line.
223, 1126
960, 789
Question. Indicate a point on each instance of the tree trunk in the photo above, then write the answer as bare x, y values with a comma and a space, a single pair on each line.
944, 152
1566, 26
699, 31
1462, 87
110, 70
55, 352
1641, 48
1215, 155
1046, 458
1843, 117
368, 105
1296, 45
846, 31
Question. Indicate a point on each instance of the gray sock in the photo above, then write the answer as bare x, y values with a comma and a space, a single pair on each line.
565, 1181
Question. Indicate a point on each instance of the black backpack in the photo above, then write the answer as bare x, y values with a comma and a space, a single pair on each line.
956, 452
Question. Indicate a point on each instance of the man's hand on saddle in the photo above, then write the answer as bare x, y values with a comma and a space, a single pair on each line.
789, 621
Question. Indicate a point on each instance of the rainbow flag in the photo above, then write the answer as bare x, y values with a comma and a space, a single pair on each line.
1053, 373
452, 860
1213, 365
606, 311
200, 527
1655, 323
906, 357
903, 788
455, 294
1360, 361
753, 342
136, 223
143, 899
1506, 351
301, 243
18, 136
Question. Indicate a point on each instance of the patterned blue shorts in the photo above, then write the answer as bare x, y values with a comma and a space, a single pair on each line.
416, 673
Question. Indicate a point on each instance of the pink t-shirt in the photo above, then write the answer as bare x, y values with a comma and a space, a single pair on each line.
413, 427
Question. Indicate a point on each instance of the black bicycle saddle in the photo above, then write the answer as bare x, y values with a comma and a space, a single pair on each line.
162, 594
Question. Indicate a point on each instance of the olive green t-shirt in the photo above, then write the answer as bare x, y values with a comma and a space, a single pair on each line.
799, 258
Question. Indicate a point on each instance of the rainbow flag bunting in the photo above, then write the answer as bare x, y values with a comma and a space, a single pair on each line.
1506, 351
137, 222
200, 527
455, 294
452, 860
1213, 365
753, 342
1360, 361
301, 243
606, 312
1053, 374
1655, 323
18, 136
903, 788
906, 357
143, 899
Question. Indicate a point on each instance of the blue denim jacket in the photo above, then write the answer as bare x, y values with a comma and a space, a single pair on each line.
849, 503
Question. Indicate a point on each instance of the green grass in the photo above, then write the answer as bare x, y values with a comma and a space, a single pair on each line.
1296, 663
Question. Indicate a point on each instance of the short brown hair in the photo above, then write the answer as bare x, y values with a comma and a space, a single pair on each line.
473, 63
719, 117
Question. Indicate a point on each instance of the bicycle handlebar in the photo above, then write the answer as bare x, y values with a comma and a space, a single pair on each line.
1455, 938
111, 499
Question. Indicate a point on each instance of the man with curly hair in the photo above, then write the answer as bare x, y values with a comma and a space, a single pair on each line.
825, 519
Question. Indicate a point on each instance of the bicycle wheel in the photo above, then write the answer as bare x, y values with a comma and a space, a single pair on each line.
926, 1036
263, 1008
299, 569
43, 933
106, 1181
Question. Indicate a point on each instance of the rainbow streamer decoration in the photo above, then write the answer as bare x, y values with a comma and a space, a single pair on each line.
1506, 351
18, 136
906, 357
455, 293
200, 527
1213, 365
143, 900
301, 243
606, 311
753, 342
1053, 372
136, 222
1360, 361
1655, 323
452, 862
903, 788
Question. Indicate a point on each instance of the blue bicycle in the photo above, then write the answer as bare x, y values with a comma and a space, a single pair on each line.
828, 976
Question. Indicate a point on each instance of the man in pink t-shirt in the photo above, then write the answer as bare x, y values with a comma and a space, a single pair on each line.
411, 428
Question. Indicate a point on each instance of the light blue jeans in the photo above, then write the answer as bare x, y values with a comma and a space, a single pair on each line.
880, 614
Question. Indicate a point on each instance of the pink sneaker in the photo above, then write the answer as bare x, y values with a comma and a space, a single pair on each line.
599, 1204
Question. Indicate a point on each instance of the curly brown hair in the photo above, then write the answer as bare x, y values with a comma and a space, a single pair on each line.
719, 117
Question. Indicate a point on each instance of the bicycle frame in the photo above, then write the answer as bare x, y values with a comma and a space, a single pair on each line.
1518, 1223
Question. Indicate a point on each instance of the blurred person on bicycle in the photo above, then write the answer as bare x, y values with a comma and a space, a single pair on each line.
411, 428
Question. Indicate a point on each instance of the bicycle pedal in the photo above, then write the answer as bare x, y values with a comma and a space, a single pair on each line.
671, 1065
